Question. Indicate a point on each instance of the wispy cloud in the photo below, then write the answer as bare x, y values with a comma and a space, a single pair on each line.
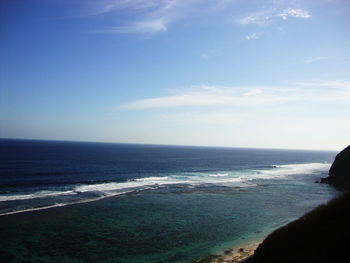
153, 16
253, 36
217, 96
311, 60
267, 16
147, 17
215, 117
147, 26
98, 7
258, 18
252, 116
335, 84
298, 13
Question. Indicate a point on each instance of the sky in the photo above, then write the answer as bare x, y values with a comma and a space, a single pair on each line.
233, 73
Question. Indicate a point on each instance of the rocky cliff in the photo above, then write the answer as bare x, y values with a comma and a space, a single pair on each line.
339, 174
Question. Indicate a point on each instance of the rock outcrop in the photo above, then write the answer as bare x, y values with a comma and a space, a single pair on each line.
339, 174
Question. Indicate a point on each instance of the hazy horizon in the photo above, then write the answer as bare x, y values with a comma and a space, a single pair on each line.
268, 74
175, 145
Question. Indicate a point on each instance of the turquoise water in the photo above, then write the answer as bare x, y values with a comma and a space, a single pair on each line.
155, 205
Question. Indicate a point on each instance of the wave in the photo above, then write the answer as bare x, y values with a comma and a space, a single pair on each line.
39, 194
95, 190
219, 175
152, 178
49, 206
292, 169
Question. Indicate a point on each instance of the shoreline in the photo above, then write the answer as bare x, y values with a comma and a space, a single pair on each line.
236, 254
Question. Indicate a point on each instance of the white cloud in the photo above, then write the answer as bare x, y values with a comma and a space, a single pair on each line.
305, 114
252, 36
298, 13
216, 96
153, 16
265, 17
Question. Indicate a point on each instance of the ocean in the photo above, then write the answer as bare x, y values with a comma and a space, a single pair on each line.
109, 202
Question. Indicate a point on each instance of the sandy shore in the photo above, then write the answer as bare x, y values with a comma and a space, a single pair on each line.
233, 255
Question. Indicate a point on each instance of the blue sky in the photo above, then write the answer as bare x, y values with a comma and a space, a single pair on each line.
272, 74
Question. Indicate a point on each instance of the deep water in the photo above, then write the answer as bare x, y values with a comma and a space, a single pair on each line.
155, 203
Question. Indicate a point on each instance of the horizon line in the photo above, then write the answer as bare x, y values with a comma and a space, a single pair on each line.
172, 145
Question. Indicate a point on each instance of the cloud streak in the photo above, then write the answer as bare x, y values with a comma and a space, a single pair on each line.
153, 16
147, 26
265, 17
216, 96
146, 16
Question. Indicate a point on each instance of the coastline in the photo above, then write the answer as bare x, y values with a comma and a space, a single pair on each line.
236, 254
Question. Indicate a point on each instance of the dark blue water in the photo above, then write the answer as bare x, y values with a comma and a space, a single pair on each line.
100, 202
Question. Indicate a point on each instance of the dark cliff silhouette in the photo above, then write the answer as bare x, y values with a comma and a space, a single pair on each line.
321, 235
339, 174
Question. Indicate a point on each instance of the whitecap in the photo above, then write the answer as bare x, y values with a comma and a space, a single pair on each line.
219, 175
291, 169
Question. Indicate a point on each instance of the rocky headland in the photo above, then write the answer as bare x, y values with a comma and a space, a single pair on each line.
339, 173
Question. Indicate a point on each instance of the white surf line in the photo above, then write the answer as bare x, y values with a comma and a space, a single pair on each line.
247, 182
35, 195
61, 205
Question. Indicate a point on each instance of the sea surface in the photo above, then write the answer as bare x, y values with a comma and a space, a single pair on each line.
107, 202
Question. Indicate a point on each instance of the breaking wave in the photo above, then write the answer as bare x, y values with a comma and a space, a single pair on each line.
92, 191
